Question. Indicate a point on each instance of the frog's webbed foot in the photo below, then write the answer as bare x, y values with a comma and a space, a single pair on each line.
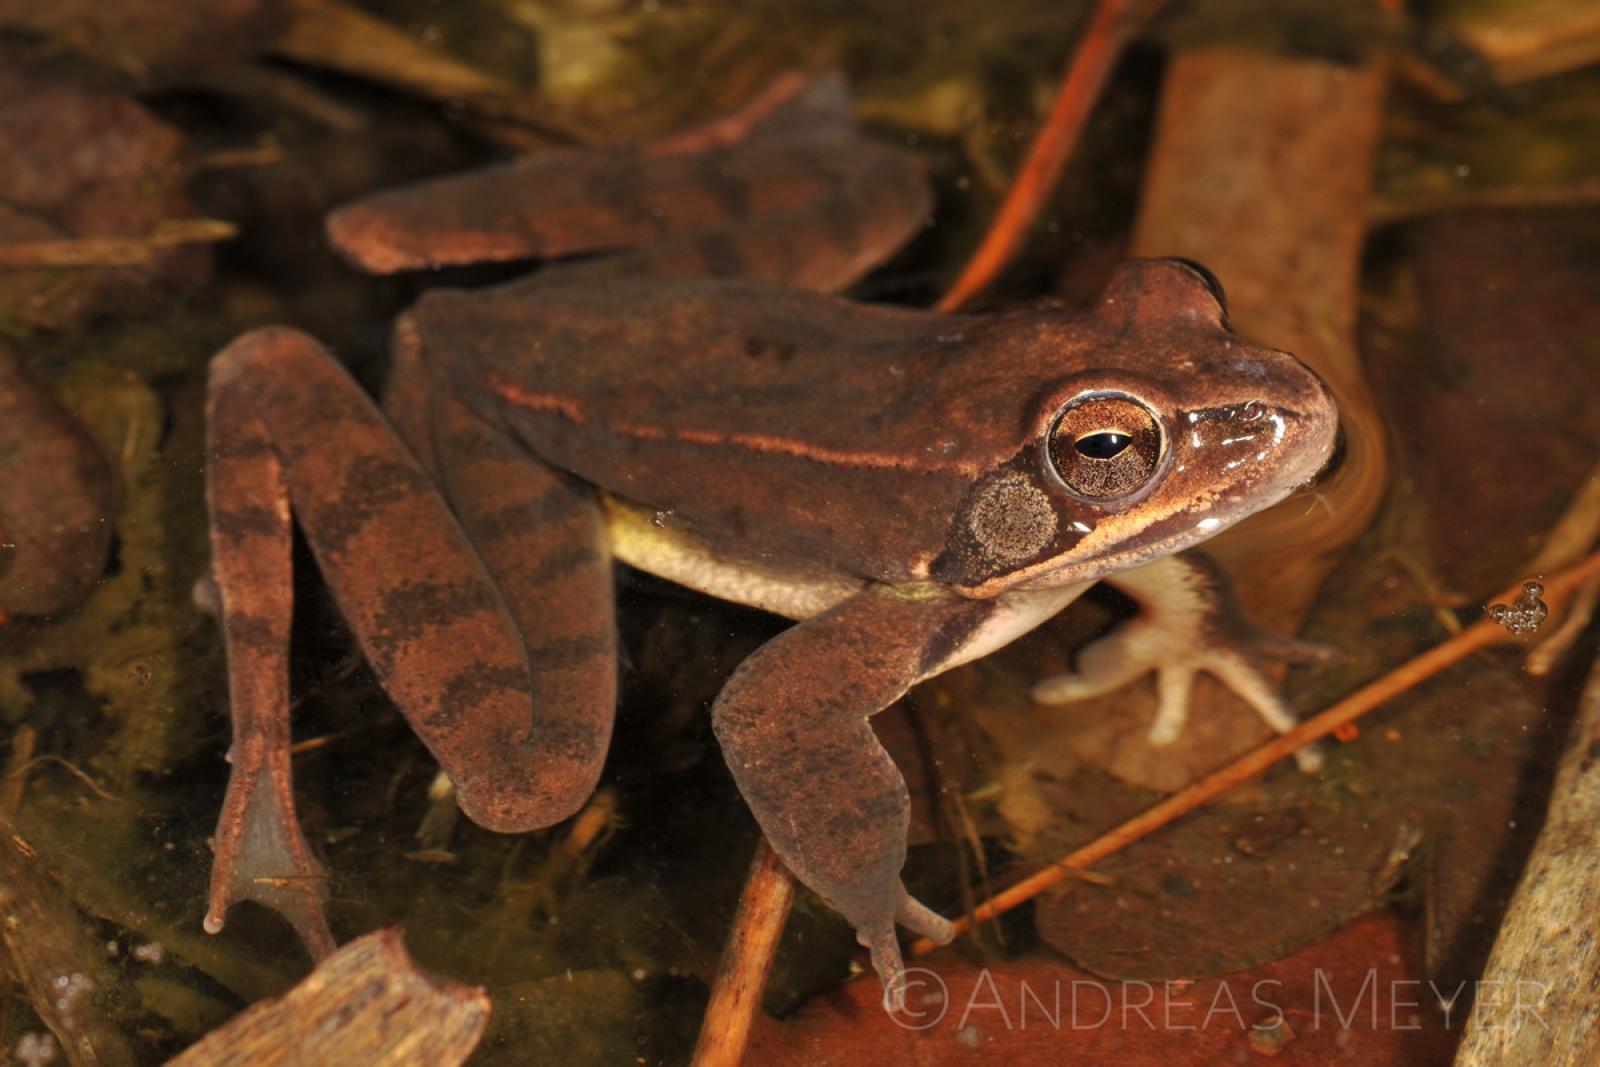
259, 852
1188, 624
792, 722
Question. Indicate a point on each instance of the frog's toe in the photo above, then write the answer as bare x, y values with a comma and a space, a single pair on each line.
1103, 665
1309, 759
261, 853
1189, 626
1296, 650
884, 947
1238, 668
880, 941
1133, 649
922, 920
1176, 654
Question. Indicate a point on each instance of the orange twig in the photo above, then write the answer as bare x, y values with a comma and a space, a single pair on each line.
746, 961
1114, 24
1409, 674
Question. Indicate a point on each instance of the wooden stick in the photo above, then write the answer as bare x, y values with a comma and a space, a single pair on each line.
56, 961
1481, 634
746, 961
366, 1004
23, 740
1113, 25
114, 251
340, 36
1535, 1003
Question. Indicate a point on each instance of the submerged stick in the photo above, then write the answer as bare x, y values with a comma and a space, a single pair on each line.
746, 961
1113, 25
1535, 1003
54, 960
366, 1004
335, 35
79, 252
1481, 634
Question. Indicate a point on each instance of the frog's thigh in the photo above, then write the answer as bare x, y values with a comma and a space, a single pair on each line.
793, 726
542, 537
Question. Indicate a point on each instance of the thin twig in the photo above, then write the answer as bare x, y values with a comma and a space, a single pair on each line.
67, 765
114, 251
1480, 635
1403, 207
1573, 533
746, 961
1113, 25
23, 741
339, 36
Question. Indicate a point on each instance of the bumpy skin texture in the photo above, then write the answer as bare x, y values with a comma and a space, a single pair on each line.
55, 500
903, 462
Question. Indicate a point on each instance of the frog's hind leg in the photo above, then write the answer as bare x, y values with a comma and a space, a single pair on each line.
288, 427
786, 189
792, 722
541, 535
259, 852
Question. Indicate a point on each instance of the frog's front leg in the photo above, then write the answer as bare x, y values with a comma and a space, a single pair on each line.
517, 709
1189, 622
792, 722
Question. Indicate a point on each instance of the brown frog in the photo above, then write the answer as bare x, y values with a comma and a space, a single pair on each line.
915, 489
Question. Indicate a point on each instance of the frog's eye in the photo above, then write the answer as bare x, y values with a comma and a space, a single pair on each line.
1104, 447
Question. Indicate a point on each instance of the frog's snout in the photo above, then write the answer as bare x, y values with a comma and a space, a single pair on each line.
1313, 414
1278, 411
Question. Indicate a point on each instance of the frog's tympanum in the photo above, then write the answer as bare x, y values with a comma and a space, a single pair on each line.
914, 489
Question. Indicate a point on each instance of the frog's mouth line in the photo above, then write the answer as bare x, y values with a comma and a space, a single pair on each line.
1198, 533
1217, 519
1097, 567
1335, 461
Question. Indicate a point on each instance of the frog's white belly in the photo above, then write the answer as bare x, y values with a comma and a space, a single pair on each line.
669, 551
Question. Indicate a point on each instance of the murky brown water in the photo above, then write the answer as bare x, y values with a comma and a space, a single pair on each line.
597, 939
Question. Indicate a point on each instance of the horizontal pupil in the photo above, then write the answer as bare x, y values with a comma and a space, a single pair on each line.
1102, 445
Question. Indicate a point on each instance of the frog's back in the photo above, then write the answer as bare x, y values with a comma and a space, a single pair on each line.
788, 423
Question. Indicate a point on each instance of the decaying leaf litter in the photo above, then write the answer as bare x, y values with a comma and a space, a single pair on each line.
127, 689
